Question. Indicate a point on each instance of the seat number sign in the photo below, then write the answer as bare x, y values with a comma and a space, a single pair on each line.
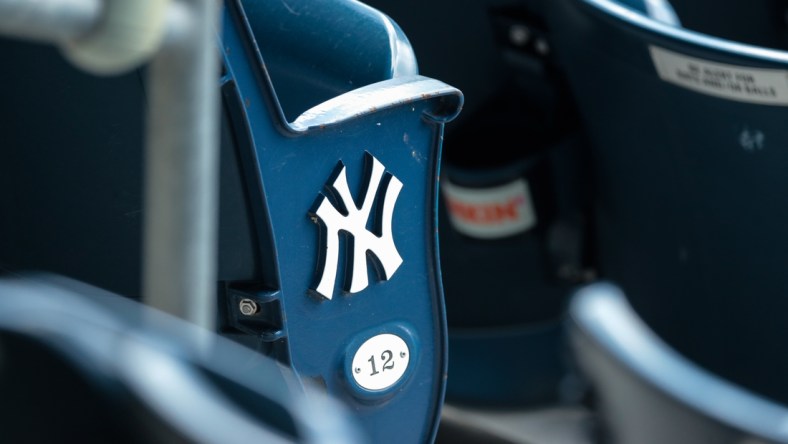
380, 362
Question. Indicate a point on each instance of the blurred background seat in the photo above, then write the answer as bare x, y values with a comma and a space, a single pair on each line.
513, 217
686, 133
647, 393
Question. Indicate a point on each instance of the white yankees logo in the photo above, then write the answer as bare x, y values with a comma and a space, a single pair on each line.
355, 224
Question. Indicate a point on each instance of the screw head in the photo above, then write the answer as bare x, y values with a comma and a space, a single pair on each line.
248, 307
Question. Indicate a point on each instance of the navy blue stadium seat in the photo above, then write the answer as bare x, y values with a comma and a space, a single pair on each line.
330, 152
80, 364
686, 137
512, 219
646, 392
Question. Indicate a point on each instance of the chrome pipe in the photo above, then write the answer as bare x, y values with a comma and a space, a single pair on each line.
182, 168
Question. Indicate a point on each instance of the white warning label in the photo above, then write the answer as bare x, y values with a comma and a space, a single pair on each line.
752, 85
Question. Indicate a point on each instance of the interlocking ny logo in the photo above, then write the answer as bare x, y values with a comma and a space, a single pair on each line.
380, 193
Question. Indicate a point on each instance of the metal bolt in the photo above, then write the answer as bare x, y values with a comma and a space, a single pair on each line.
248, 307
358, 370
519, 35
401, 354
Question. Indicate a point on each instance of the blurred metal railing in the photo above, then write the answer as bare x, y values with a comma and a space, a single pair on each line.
178, 39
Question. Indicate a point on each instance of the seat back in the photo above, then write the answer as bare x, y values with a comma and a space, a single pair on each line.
646, 392
685, 134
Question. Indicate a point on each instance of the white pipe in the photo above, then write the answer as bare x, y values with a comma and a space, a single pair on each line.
49, 20
182, 167
182, 137
100, 36
129, 33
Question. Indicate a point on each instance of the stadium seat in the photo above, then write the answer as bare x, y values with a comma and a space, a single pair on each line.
327, 239
686, 138
80, 364
646, 392
512, 224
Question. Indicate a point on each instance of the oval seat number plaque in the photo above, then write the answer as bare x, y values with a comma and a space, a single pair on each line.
380, 362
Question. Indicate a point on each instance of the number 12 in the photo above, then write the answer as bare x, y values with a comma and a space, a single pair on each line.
386, 357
